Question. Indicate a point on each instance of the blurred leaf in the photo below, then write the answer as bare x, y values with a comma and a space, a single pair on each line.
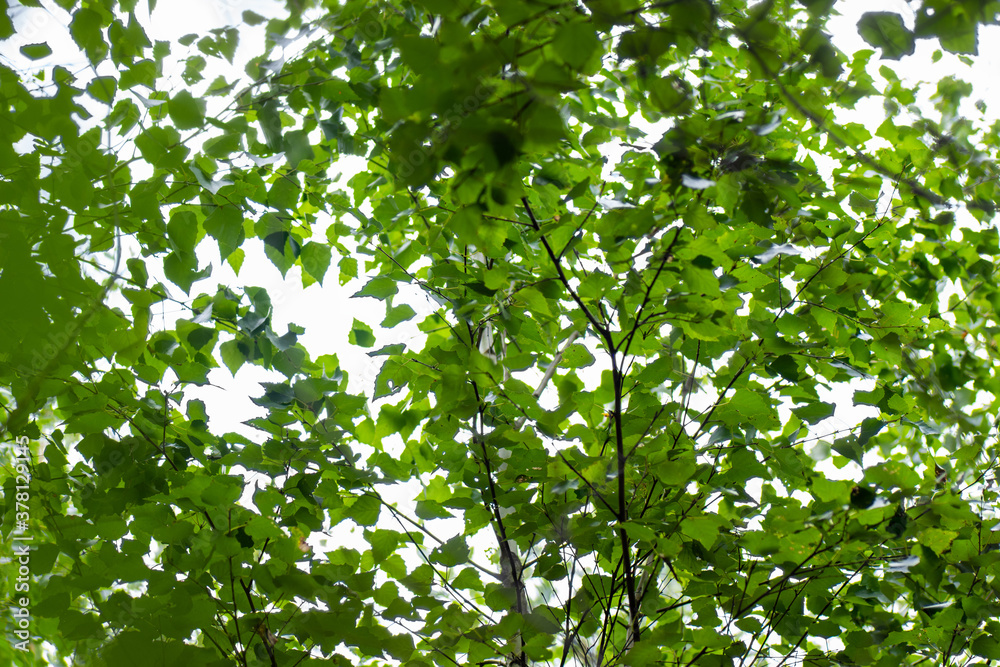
886, 30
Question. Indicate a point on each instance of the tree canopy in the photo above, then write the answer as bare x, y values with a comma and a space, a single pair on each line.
702, 364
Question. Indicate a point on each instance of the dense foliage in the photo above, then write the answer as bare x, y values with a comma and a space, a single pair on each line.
707, 375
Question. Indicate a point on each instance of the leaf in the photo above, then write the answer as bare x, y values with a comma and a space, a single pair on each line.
315, 259
937, 540
297, 148
815, 412
862, 204
103, 89
252, 18
869, 427
705, 529
6, 26
394, 348
986, 646
828, 490
751, 407
183, 271
420, 53
893, 474
182, 230
452, 553
956, 29
379, 287
396, 315
361, 334
671, 95
186, 111
86, 29
282, 248
36, 51
577, 356
574, 43
232, 356
365, 510
270, 124
675, 472
862, 497
284, 193
849, 448
225, 225
886, 30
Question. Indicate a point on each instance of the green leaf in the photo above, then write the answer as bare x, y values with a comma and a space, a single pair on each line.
142, 72
452, 553
749, 406
420, 53
282, 248
36, 51
315, 259
284, 193
862, 497
869, 427
232, 356
252, 18
577, 356
297, 148
575, 43
705, 529
6, 26
886, 31
671, 95
396, 315
182, 230
894, 474
862, 204
828, 490
814, 412
986, 646
183, 271
379, 287
186, 111
103, 89
225, 225
348, 269
849, 448
937, 540
365, 510
87, 31
270, 123
674, 472
361, 334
